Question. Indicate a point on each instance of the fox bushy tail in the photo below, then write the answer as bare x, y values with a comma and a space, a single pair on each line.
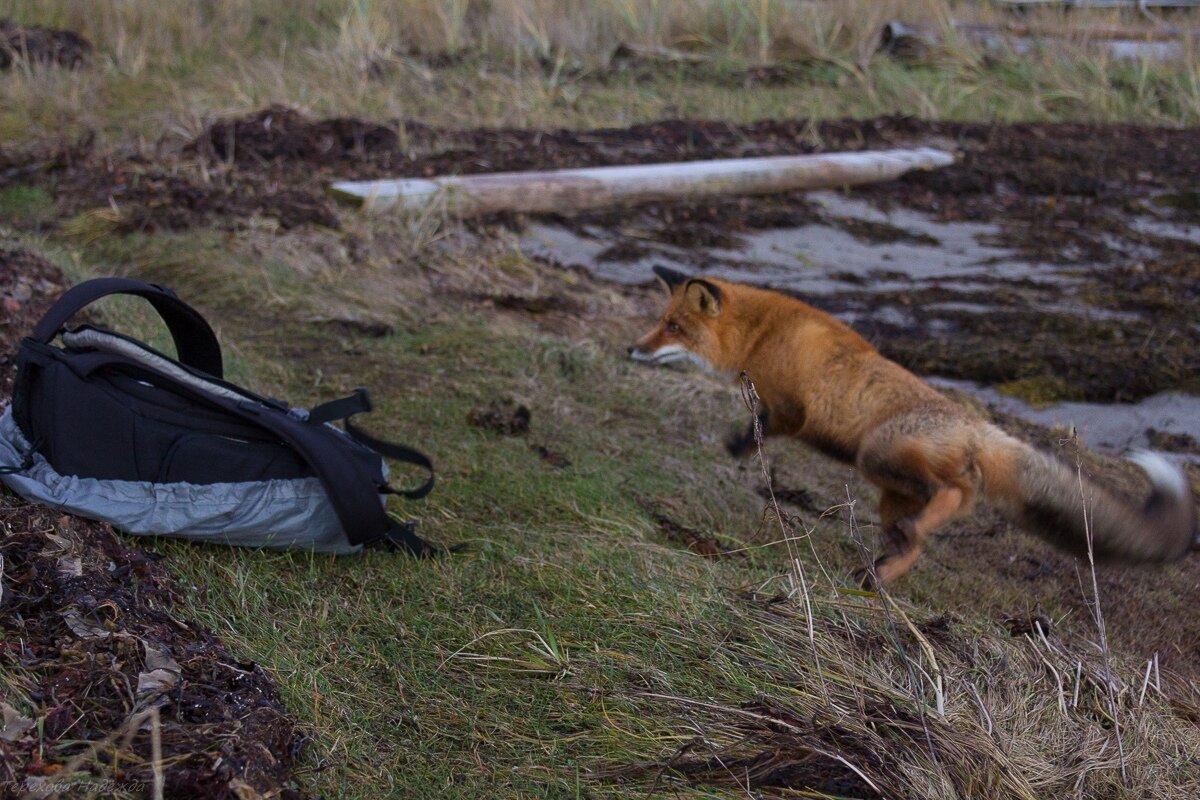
1043, 495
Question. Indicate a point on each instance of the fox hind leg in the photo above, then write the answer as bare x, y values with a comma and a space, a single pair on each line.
925, 470
905, 530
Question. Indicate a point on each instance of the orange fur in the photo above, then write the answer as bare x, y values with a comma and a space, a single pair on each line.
822, 383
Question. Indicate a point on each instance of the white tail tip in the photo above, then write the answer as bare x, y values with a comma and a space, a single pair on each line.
1163, 475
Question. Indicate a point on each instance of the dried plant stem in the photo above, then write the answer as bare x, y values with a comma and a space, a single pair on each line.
156, 753
750, 396
885, 603
1098, 615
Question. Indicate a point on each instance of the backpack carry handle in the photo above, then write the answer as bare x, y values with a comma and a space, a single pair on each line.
195, 341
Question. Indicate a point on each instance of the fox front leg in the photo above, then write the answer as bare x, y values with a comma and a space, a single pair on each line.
741, 444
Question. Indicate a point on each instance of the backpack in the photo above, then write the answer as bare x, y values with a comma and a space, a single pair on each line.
109, 428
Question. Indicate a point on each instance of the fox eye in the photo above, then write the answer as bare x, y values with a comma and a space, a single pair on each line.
672, 327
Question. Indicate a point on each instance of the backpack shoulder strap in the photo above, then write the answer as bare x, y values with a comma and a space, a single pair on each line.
396, 452
195, 341
358, 403
353, 493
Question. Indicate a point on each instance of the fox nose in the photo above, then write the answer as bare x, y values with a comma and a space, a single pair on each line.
630, 350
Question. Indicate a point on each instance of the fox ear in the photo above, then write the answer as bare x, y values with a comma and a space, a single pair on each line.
703, 297
670, 278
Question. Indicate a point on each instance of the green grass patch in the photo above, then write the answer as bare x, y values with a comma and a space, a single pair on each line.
24, 206
1040, 391
402, 684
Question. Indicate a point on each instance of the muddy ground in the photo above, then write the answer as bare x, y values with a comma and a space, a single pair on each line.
1109, 213
91, 641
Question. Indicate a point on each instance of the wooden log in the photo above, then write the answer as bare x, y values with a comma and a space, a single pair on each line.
596, 187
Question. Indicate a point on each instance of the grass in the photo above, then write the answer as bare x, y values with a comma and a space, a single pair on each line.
159, 73
25, 206
574, 650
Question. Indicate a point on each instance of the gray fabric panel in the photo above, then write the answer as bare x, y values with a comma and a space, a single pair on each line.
108, 343
279, 514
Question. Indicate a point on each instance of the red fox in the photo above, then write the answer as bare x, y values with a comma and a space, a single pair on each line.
822, 383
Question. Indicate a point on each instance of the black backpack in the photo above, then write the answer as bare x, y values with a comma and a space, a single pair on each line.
107, 427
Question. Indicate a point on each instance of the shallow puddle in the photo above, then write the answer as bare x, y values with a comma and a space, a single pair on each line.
1166, 228
815, 258
1109, 428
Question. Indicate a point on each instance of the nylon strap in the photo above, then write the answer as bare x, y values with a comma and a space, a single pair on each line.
397, 452
195, 341
357, 403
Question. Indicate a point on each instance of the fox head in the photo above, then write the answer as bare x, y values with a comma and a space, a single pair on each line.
689, 327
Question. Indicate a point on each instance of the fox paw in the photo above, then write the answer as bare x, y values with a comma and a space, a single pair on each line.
896, 539
873, 578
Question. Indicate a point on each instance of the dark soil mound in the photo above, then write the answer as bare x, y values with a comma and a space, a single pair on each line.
39, 45
40, 159
170, 202
280, 133
88, 628
28, 286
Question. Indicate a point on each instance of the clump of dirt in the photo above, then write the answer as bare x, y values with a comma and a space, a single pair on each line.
1045, 356
92, 646
38, 160
714, 222
133, 196
506, 419
29, 285
45, 46
274, 164
371, 329
284, 134
1172, 442
1167, 290
877, 232
624, 251
533, 304
1028, 625
167, 202
704, 544
551, 457
1089, 360
800, 498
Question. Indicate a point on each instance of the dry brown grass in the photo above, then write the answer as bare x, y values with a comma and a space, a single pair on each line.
161, 68
136, 34
986, 717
